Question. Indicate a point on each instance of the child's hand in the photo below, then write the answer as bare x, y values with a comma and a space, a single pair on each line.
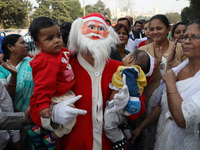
45, 113
27, 116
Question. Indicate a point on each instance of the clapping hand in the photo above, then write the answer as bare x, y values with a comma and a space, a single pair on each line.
157, 50
172, 54
7, 65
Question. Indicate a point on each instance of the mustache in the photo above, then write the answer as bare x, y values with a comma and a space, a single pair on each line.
94, 34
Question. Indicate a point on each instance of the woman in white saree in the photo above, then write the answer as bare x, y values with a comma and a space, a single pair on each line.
178, 112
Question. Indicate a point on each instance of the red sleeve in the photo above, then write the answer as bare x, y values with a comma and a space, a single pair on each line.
142, 44
44, 77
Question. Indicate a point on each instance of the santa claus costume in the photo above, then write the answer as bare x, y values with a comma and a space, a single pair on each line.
93, 84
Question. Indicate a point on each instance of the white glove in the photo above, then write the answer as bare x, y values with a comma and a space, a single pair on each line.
62, 113
120, 100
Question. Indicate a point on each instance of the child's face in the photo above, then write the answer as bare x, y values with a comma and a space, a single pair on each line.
128, 60
49, 40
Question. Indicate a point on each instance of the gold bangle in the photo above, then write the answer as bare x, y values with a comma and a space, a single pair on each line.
171, 92
10, 84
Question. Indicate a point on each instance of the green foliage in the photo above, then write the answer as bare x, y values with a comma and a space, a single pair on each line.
61, 10
141, 18
76, 10
173, 17
186, 14
88, 9
192, 12
14, 13
42, 10
99, 7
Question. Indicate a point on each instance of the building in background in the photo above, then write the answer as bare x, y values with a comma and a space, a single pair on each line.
120, 8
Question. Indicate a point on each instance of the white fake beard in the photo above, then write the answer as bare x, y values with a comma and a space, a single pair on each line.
100, 49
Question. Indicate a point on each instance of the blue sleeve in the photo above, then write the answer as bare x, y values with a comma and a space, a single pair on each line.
133, 106
131, 81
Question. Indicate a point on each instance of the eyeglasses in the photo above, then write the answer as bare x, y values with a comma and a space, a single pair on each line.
191, 38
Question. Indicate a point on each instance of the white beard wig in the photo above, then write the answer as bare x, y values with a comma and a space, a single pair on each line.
99, 49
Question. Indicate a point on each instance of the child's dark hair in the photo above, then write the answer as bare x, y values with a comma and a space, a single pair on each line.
141, 58
10, 39
38, 24
65, 29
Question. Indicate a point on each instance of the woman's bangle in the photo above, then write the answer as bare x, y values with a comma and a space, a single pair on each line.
10, 84
171, 92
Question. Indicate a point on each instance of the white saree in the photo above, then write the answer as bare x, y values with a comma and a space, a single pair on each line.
171, 137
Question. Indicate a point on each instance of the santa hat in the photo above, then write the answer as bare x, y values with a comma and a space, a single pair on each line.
97, 17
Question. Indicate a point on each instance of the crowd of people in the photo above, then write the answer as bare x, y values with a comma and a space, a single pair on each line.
92, 86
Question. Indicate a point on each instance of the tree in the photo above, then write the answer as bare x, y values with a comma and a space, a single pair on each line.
14, 13
186, 14
141, 18
99, 7
173, 17
89, 9
61, 11
42, 10
192, 12
76, 10
107, 13
195, 5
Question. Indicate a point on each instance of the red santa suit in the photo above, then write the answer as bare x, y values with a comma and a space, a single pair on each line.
92, 84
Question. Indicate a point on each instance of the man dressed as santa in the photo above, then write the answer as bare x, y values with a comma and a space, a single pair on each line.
90, 41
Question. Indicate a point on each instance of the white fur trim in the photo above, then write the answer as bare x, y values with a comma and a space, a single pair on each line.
97, 19
151, 65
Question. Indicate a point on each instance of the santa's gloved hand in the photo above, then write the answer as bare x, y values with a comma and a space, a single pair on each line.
120, 100
63, 113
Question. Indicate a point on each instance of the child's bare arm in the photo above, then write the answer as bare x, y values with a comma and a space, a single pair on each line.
113, 94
